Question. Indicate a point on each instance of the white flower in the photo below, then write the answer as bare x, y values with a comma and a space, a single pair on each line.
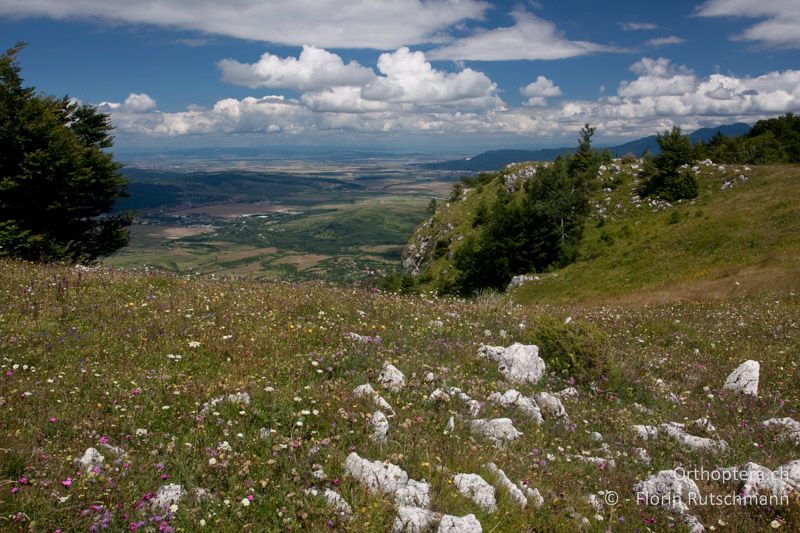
212, 461
194, 344
245, 502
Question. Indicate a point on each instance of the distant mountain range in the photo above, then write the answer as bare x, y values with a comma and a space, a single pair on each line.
497, 159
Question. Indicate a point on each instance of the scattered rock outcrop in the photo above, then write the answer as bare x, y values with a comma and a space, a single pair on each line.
514, 492
693, 442
367, 391
167, 495
459, 524
238, 397
671, 491
387, 478
501, 431
744, 379
335, 501
391, 378
550, 405
380, 426
91, 459
519, 363
514, 398
787, 428
476, 488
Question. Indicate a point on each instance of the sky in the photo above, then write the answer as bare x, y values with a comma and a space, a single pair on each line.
430, 75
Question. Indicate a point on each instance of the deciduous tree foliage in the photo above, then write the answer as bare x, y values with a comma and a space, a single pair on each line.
57, 183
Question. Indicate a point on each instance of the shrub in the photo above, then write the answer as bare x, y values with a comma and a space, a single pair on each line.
576, 349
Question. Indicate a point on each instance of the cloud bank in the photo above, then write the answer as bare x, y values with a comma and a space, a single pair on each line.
406, 94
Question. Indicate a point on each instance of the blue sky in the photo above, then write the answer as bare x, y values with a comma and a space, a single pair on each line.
426, 74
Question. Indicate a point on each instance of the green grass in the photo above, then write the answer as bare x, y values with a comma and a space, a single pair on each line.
749, 233
84, 359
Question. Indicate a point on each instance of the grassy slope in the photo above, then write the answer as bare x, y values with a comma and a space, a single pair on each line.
85, 357
749, 233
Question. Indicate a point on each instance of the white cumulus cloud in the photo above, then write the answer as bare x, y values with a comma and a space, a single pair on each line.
529, 38
315, 68
408, 77
658, 77
539, 90
780, 26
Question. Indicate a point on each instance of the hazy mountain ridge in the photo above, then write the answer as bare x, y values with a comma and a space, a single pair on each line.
496, 159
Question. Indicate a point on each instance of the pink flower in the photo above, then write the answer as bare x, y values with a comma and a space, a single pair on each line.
67, 482
103, 440
14, 490
53, 420
23, 480
9, 373
250, 497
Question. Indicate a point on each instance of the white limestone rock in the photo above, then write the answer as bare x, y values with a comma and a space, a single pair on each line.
499, 430
744, 379
693, 442
167, 495
550, 405
790, 474
413, 494
646, 432
91, 459
239, 397
387, 478
335, 501
513, 398
567, 394
380, 426
391, 378
787, 428
368, 391
476, 488
514, 492
641, 455
669, 489
459, 524
378, 476
414, 520
533, 495
444, 396
439, 395
519, 363
752, 479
